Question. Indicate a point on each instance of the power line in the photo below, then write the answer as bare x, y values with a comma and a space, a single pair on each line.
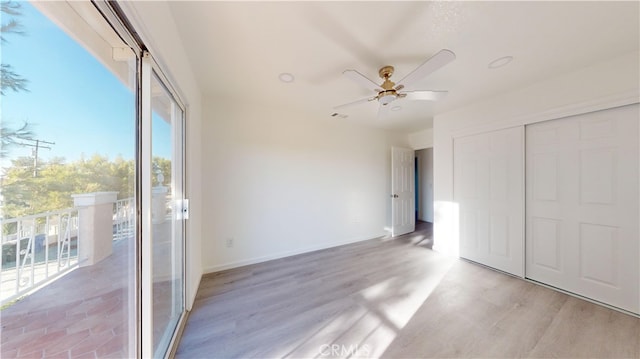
36, 145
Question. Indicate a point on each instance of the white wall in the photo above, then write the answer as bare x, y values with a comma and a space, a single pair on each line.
278, 183
155, 25
421, 139
604, 85
425, 187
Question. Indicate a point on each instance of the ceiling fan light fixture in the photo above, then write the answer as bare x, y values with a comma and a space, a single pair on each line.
387, 97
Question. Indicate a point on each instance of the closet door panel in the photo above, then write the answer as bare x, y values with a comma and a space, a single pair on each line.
488, 188
582, 205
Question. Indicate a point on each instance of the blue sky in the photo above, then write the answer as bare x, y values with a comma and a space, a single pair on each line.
72, 100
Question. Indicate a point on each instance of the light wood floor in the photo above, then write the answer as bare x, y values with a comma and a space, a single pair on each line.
394, 299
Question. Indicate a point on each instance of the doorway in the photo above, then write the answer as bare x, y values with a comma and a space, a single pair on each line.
424, 184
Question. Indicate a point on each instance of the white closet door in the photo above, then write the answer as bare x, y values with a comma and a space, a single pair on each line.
582, 205
488, 188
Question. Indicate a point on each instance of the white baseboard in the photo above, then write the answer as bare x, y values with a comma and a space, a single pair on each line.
245, 262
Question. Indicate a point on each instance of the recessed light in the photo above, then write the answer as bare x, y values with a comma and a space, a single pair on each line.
286, 77
396, 108
503, 61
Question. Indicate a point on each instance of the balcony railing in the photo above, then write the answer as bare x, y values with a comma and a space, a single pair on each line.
124, 212
38, 248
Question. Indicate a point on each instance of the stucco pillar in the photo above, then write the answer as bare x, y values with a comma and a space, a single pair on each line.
159, 204
95, 226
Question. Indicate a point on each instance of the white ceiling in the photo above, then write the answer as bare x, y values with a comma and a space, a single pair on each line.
239, 48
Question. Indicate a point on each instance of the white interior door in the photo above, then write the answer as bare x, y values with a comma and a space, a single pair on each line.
402, 191
582, 205
488, 188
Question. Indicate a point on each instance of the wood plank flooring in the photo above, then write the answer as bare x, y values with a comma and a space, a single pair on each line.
394, 299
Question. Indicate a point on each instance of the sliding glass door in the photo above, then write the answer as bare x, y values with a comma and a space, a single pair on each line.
68, 267
163, 212
166, 217
92, 198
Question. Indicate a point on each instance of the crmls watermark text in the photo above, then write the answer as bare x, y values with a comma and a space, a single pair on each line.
342, 350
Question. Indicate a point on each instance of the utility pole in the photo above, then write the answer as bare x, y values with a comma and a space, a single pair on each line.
36, 146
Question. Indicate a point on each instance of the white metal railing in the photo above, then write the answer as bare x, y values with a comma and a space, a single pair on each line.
124, 212
36, 249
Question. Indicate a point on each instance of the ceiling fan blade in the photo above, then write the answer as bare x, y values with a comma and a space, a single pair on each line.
431, 65
424, 95
363, 100
362, 80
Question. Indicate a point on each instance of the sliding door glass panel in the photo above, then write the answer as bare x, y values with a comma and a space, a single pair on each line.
167, 226
69, 118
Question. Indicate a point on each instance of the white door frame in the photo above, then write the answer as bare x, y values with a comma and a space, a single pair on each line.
147, 66
150, 68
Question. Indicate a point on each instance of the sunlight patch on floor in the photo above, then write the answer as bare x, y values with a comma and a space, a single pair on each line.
395, 301
379, 313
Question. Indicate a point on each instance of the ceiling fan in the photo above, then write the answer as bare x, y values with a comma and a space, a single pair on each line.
388, 91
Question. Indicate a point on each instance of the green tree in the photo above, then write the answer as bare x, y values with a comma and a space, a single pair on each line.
9, 79
122, 172
57, 181
10, 8
16, 192
10, 137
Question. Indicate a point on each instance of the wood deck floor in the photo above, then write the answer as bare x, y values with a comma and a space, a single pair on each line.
394, 299
81, 315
